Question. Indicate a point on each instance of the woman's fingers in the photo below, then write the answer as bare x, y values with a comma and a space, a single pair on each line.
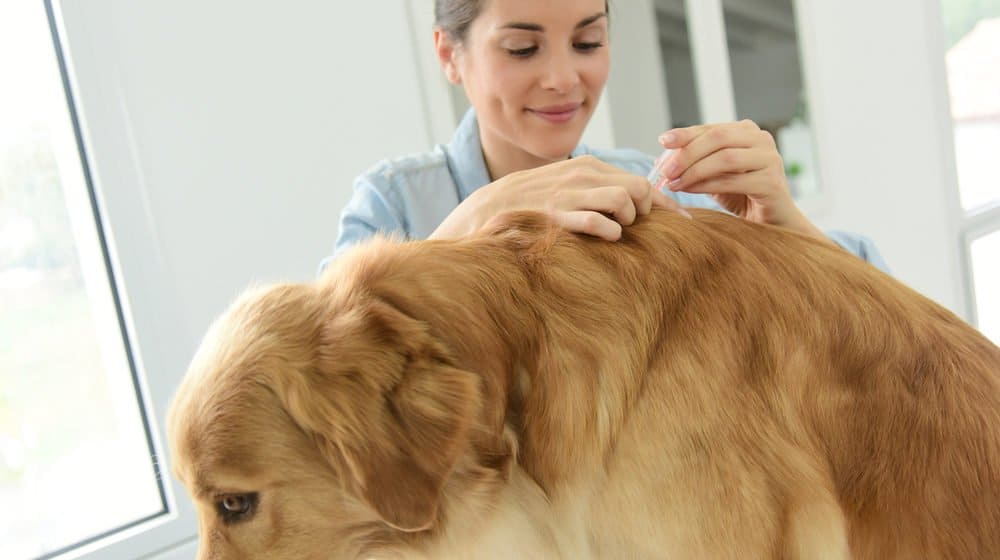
728, 162
591, 174
695, 143
643, 195
591, 223
613, 201
739, 165
598, 224
680, 137
663, 201
586, 195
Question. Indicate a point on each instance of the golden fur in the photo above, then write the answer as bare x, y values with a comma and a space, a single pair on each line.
704, 388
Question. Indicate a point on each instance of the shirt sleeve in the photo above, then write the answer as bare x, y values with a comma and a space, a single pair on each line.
368, 212
861, 246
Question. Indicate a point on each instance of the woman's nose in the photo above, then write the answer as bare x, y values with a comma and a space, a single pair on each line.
560, 74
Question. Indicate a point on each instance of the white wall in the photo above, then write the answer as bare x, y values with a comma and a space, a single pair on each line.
879, 104
247, 122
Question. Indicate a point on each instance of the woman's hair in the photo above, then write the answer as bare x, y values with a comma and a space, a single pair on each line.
455, 16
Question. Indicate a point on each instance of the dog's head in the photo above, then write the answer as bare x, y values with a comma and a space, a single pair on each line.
319, 424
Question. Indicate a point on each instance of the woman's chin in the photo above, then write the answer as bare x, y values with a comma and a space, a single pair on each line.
557, 149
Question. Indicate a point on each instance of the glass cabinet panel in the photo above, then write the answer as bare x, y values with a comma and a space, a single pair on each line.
678, 65
768, 83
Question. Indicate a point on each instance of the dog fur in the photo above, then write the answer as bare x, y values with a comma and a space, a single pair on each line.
705, 388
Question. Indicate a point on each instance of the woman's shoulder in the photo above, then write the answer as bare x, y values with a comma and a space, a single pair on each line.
387, 173
631, 160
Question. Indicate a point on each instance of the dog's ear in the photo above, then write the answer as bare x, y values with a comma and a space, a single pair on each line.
385, 404
432, 410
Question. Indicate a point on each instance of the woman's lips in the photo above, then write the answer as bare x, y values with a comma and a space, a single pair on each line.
557, 113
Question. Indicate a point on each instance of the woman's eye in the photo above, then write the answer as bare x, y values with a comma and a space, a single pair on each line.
522, 53
236, 507
587, 46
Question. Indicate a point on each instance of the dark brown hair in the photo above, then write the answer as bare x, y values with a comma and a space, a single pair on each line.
455, 16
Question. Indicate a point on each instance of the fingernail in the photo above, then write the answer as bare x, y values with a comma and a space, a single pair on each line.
668, 138
675, 184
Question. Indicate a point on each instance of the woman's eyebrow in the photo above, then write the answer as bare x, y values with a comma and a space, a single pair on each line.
535, 27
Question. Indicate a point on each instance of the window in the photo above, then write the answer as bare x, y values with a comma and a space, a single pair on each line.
972, 31
76, 455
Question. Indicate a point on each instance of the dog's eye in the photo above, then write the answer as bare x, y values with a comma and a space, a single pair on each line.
236, 507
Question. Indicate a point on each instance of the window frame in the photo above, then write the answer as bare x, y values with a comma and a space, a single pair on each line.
967, 225
147, 307
973, 225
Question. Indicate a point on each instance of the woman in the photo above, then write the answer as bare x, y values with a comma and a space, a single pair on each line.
533, 72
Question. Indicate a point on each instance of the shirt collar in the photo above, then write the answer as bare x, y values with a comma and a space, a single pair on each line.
465, 156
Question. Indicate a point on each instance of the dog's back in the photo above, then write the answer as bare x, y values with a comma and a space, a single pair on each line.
756, 393
703, 388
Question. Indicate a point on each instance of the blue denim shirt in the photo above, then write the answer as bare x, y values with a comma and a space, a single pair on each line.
410, 196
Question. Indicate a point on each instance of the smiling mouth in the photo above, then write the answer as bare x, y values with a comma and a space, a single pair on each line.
557, 113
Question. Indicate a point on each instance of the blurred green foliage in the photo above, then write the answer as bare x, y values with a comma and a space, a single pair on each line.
960, 16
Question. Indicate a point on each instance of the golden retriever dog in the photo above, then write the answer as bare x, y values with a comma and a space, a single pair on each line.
703, 388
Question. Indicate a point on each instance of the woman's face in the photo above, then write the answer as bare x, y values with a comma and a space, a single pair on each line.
534, 71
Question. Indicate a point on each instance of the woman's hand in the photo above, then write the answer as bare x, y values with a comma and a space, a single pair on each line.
583, 194
739, 165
